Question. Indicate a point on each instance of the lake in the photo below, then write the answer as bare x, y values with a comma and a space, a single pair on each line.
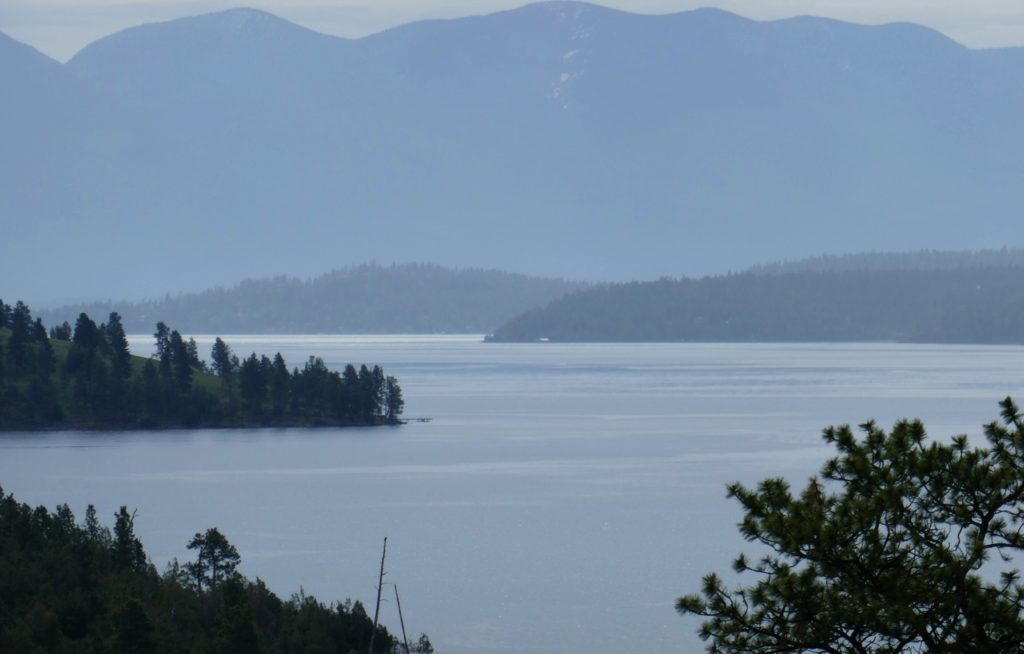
560, 499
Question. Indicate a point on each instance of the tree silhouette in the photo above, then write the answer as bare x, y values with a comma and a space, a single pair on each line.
884, 555
216, 559
121, 358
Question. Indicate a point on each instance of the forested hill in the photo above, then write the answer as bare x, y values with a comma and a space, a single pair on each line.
85, 378
69, 587
411, 298
971, 305
916, 260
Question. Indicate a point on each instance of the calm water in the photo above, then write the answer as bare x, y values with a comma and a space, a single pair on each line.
561, 499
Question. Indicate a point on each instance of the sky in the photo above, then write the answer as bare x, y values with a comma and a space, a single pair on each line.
60, 28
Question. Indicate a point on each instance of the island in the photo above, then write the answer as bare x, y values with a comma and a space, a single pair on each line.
85, 377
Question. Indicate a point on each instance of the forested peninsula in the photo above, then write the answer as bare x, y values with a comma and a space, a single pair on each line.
983, 305
69, 587
84, 377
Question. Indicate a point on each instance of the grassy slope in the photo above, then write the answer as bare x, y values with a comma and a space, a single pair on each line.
204, 380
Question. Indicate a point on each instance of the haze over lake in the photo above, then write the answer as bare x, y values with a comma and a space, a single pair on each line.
561, 498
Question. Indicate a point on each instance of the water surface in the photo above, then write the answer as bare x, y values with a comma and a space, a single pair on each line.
560, 499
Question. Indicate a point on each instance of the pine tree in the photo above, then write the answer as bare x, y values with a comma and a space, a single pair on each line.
252, 386
46, 362
121, 358
152, 394
162, 335
94, 531
279, 386
61, 332
379, 392
192, 351
38, 331
133, 631
350, 386
367, 394
18, 342
395, 404
883, 554
182, 366
221, 361
128, 552
216, 559
87, 334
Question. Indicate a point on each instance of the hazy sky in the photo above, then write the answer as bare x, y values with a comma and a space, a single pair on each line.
62, 27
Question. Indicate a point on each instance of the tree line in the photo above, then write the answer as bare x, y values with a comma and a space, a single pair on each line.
962, 305
86, 377
910, 260
69, 587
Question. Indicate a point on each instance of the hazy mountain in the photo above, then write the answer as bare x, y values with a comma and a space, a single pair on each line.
413, 298
560, 139
951, 305
34, 121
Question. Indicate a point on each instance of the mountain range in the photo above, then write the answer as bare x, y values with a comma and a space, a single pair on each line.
562, 139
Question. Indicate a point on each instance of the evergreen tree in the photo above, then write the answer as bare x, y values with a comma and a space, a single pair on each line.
133, 631
21, 334
350, 380
279, 386
43, 396
379, 392
38, 331
163, 340
46, 362
238, 634
192, 352
128, 552
61, 332
221, 361
88, 371
152, 393
423, 645
121, 358
94, 531
216, 559
367, 394
87, 334
885, 555
182, 366
5, 314
252, 385
395, 404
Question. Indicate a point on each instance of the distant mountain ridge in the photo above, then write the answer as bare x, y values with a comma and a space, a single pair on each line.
366, 299
558, 139
879, 261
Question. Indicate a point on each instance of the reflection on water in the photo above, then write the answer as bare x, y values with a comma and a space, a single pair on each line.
560, 500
